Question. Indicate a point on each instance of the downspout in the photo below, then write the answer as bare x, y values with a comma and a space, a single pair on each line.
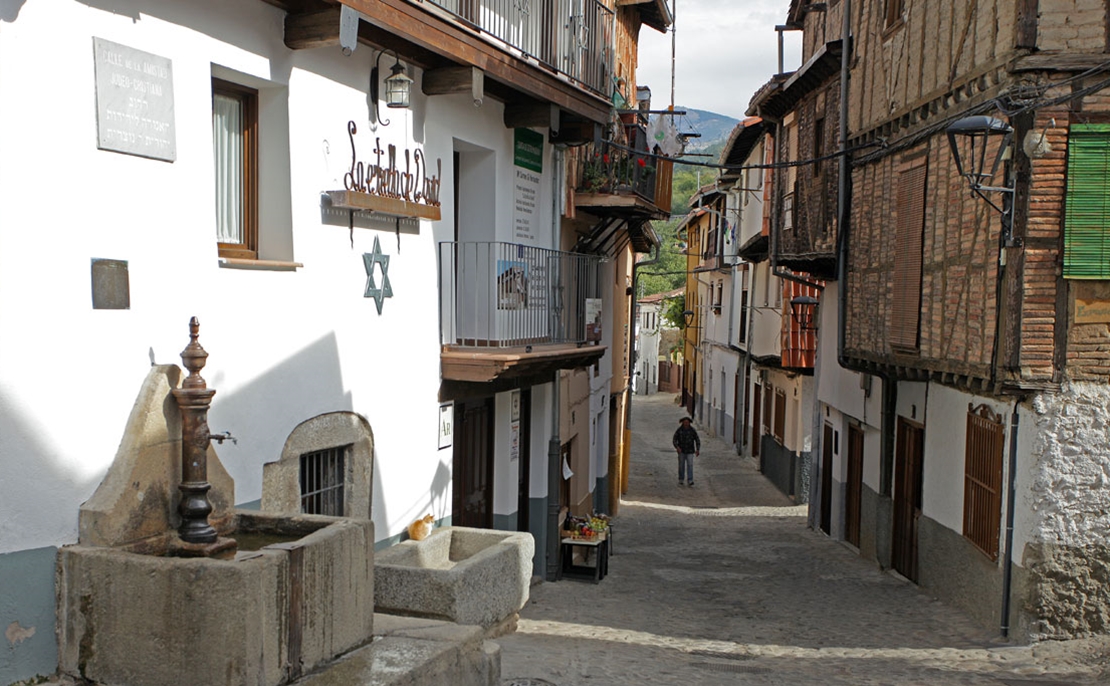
554, 446
617, 483
1008, 563
844, 198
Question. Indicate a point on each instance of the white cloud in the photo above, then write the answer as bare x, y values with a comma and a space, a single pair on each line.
725, 50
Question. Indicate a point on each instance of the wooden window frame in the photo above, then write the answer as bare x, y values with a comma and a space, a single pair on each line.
983, 453
905, 323
248, 96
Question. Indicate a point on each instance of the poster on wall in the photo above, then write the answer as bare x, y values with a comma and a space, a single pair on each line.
514, 441
528, 165
593, 319
512, 285
446, 425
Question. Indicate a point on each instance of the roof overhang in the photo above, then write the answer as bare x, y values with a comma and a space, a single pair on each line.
654, 13
776, 98
756, 249
743, 139
613, 234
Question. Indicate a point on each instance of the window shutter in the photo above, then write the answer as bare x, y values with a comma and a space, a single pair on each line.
906, 311
1086, 217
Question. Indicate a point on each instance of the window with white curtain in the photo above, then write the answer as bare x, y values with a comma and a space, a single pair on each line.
235, 154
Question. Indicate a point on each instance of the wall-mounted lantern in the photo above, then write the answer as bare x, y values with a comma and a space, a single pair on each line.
398, 87
688, 317
803, 308
970, 139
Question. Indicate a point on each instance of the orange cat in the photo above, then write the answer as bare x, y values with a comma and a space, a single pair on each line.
420, 529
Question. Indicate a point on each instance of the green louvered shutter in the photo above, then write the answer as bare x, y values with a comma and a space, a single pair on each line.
1087, 217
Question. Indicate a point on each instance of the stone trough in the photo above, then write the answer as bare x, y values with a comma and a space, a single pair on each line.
459, 574
264, 616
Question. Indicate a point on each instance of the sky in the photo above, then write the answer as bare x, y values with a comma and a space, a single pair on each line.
725, 50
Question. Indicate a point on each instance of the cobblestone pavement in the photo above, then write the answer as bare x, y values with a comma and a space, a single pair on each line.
723, 583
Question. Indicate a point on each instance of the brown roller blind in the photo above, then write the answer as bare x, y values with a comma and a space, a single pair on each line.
906, 310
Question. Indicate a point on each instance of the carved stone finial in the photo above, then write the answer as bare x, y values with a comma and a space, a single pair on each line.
194, 357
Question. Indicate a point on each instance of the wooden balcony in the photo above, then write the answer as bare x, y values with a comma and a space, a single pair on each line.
510, 311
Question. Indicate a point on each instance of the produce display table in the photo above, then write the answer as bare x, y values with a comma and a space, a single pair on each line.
595, 572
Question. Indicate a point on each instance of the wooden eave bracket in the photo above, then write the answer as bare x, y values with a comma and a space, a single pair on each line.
453, 80
317, 29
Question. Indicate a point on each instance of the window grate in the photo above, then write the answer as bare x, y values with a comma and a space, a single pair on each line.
323, 475
983, 479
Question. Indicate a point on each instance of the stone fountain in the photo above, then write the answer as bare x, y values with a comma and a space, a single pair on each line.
169, 583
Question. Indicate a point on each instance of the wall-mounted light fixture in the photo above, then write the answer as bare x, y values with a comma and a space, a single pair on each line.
970, 139
803, 308
398, 87
688, 317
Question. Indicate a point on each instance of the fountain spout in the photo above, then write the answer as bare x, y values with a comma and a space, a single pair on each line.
193, 399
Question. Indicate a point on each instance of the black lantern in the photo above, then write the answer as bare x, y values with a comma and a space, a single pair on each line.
803, 308
398, 87
688, 316
970, 139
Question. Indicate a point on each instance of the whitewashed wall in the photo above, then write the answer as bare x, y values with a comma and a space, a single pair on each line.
284, 345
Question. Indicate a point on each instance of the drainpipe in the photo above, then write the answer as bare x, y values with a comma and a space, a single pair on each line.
554, 445
1008, 562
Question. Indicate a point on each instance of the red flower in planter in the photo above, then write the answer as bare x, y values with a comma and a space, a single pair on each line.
640, 161
606, 158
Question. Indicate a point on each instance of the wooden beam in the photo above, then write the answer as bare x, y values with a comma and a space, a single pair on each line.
317, 29
450, 80
540, 114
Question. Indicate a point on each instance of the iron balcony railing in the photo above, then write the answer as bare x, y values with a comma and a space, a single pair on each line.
573, 37
502, 295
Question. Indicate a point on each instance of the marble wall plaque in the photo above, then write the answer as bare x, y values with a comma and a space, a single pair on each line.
134, 101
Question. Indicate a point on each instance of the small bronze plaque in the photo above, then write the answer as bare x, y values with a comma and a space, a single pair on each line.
111, 288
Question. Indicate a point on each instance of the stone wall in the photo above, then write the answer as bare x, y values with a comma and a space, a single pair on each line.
1068, 557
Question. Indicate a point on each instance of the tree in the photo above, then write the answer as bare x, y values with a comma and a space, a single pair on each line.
673, 309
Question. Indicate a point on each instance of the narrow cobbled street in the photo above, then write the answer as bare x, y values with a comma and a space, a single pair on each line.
723, 583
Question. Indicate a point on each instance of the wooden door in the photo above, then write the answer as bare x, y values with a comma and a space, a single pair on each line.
826, 478
736, 410
524, 452
757, 414
854, 486
909, 452
472, 487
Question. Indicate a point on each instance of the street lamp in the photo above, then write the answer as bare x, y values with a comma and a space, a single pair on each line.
969, 139
802, 309
688, 316
398, 86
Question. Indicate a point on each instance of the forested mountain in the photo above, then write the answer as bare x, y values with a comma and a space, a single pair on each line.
669, 272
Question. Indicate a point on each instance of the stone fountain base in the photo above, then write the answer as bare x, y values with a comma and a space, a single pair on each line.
264, 617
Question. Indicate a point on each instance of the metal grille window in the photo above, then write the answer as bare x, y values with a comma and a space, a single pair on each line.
910, 225
983, 479
323, 474
1087, 217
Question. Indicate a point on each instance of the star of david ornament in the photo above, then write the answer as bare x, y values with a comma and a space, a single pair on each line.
370, 259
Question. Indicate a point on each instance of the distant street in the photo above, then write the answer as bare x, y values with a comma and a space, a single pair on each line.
723, 583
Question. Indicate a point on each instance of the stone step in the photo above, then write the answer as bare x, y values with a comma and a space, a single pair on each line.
408, 651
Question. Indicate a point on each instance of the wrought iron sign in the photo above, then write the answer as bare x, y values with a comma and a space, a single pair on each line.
400, 189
